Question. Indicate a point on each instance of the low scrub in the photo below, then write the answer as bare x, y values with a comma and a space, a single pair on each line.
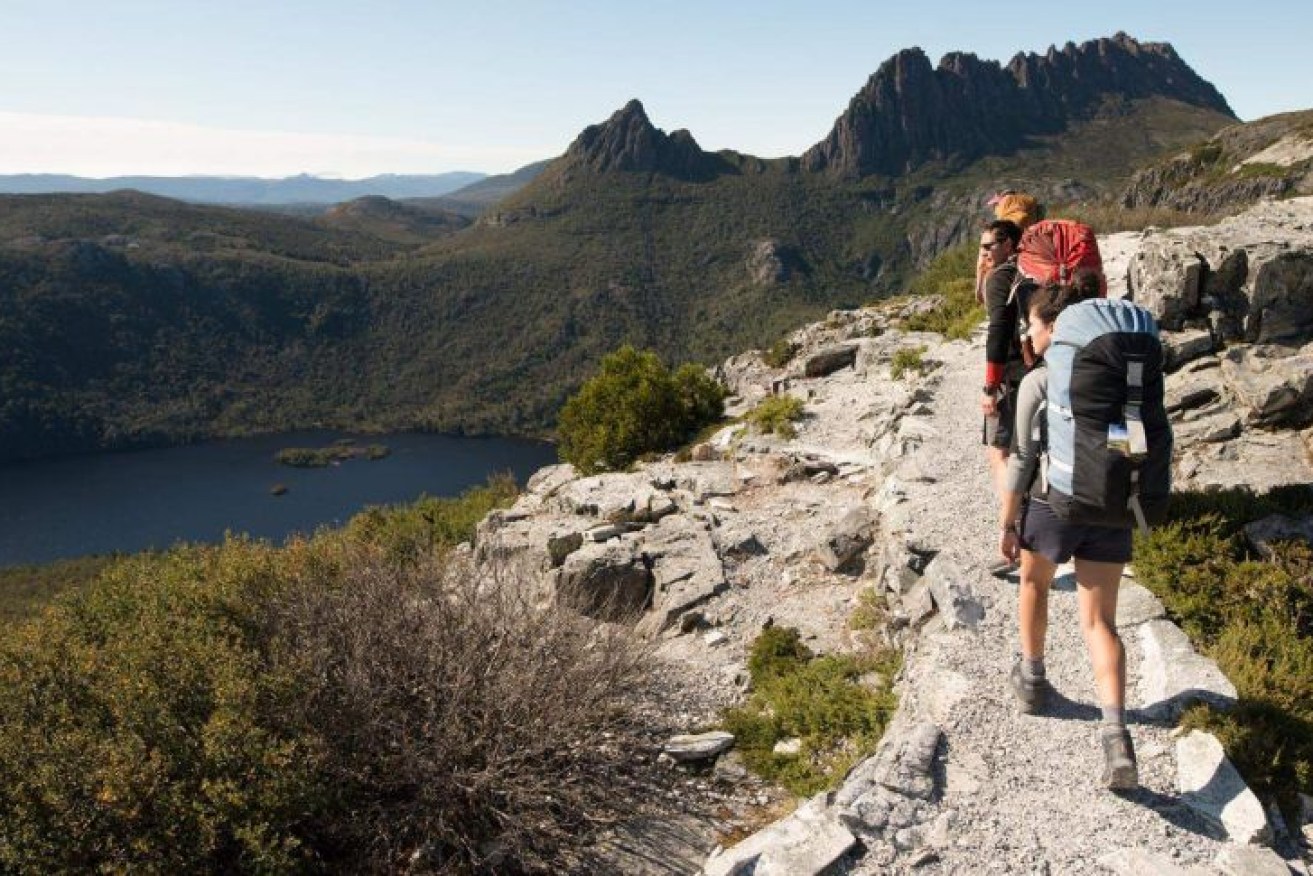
318, 707
816, 699
635, 406
952, 276
908, 359
1254, 616
781, 353
776, 415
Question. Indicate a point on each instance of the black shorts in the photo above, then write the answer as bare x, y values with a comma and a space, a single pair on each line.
1046, 534
1000, 429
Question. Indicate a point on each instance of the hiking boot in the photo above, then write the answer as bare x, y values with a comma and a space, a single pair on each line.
1119, 770
1002, 569
1032, 693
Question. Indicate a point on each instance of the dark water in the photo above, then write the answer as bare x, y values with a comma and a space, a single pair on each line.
153, 498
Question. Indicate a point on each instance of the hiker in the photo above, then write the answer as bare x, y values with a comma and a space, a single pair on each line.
1016, 207
1004, 366
1032, 529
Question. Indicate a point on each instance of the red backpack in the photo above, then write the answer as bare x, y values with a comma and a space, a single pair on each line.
1061, 251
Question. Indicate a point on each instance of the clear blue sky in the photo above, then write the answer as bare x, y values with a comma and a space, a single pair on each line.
321, 86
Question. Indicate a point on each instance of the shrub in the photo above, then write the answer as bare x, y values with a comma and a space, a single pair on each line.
776, 415
907, 359
405, 532
319, 706
780, 354
952, 275
817, 699
635, 406
1255, 618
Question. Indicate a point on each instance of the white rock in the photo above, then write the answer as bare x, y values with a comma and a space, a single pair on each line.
1210, 785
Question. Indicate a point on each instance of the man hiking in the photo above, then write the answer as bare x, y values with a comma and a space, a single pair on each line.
1004, 365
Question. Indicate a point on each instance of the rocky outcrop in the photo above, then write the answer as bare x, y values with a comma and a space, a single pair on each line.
1268, 158
1235, 301
910, 113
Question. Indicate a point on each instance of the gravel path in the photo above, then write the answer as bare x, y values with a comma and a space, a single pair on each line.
1021, 794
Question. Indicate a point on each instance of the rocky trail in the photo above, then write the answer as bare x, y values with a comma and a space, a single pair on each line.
884, 486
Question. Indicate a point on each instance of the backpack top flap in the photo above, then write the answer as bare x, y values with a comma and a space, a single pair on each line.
1061, 251
1109, 439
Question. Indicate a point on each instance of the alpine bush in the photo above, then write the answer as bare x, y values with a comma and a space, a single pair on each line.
1254, 616
362, 701
635, 406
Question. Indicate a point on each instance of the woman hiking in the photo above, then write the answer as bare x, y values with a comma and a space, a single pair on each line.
1043, 541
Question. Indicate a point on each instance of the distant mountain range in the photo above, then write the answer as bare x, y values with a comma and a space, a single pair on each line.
127, 319
248, 191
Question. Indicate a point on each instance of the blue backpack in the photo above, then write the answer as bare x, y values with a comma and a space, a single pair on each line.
1109, 443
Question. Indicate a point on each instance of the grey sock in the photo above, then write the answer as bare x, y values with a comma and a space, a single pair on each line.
1032, 668
1114, 716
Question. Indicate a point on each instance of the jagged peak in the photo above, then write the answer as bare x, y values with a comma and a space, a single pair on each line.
909, 113
628, 141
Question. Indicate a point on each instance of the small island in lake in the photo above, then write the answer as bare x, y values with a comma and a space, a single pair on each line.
338, 451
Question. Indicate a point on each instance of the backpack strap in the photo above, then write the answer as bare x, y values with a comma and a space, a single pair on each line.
1138, 442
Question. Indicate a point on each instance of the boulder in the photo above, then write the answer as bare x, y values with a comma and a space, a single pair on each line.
954, 597
1280, 293
846, 539
699, 746
686, 571
1173, 676
1278, 527
829, 360
1206, 426
1235, 860
1188, 390
1274, 386
1182, 347
807, 843
1137, 862
605, 581
548, 479
1210, 785
1165, 277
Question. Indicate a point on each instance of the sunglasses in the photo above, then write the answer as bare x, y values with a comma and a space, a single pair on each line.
990, 245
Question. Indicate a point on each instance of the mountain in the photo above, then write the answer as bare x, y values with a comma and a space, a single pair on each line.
135, 320
471, 200
1267, 158
247, 191
909, 114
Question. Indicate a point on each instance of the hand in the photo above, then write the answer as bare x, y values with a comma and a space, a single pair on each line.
1009, 545
989, 405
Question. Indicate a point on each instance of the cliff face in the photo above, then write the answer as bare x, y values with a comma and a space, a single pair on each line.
909, 113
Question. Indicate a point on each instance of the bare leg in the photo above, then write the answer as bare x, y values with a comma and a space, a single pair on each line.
998, 469
1033, 602
1097, 599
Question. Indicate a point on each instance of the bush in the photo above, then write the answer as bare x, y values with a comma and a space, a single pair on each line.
776, 415
907, 359
952, 275
780, 354
817, 699
405, 532
1255, 618
635, 406
316, 707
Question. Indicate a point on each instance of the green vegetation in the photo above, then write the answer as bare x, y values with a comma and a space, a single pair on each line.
1109, 219
319, 457
635, 406
776, 415
246, 708
870, 612
1255, 618
781, 353
25, 590
908, 359
952, 276
817, 699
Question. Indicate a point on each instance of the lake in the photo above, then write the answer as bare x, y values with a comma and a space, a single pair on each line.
102, 503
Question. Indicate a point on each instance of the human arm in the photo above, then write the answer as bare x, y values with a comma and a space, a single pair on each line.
1024, 461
